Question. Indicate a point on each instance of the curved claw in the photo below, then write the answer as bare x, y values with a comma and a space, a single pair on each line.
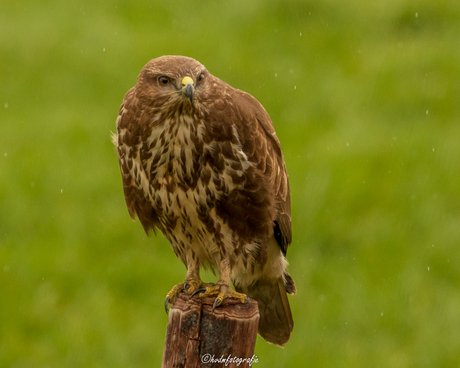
166, 304
186, 287
217, 302
200, 290
248, 301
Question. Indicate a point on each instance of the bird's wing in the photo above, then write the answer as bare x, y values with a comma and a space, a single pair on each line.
267, 183
128, 144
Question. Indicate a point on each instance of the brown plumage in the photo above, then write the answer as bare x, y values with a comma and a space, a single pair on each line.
201, 162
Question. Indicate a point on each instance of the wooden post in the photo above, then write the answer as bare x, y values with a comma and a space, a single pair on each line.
197, 337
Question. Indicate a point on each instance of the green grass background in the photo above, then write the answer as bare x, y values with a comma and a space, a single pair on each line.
365, 99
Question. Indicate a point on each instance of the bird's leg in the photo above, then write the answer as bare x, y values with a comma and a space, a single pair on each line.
222, 288
191, 283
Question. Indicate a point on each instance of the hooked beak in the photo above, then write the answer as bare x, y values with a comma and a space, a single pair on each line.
187, 88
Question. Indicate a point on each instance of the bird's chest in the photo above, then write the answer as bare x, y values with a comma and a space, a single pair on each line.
174, 163
171, 152
191, 181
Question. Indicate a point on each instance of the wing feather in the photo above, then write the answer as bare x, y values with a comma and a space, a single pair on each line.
268, 182
127, 142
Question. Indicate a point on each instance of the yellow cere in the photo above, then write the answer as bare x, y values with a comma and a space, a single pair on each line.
186, 80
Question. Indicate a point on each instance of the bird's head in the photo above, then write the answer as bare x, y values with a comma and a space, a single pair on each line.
173, 81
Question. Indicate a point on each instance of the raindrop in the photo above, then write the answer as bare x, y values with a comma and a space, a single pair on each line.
6, 105
295, 87
103, 49
276, 75
416, 15
62, 190
300, 34
5, 154
428, 268
426, 112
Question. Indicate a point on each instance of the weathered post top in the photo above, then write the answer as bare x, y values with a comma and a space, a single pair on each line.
197, 337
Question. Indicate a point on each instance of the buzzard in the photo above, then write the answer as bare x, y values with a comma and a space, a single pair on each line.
201, 162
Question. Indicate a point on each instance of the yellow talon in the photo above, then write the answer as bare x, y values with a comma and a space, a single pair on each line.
189, 286
223, 291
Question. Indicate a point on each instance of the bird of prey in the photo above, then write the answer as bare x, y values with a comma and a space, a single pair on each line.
201, 162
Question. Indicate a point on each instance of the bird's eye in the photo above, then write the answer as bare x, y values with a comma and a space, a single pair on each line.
201, 78
163, 80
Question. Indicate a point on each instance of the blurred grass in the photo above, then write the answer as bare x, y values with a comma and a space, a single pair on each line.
365, 99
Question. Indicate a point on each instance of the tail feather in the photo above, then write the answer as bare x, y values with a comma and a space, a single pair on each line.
275, 323
289, 284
